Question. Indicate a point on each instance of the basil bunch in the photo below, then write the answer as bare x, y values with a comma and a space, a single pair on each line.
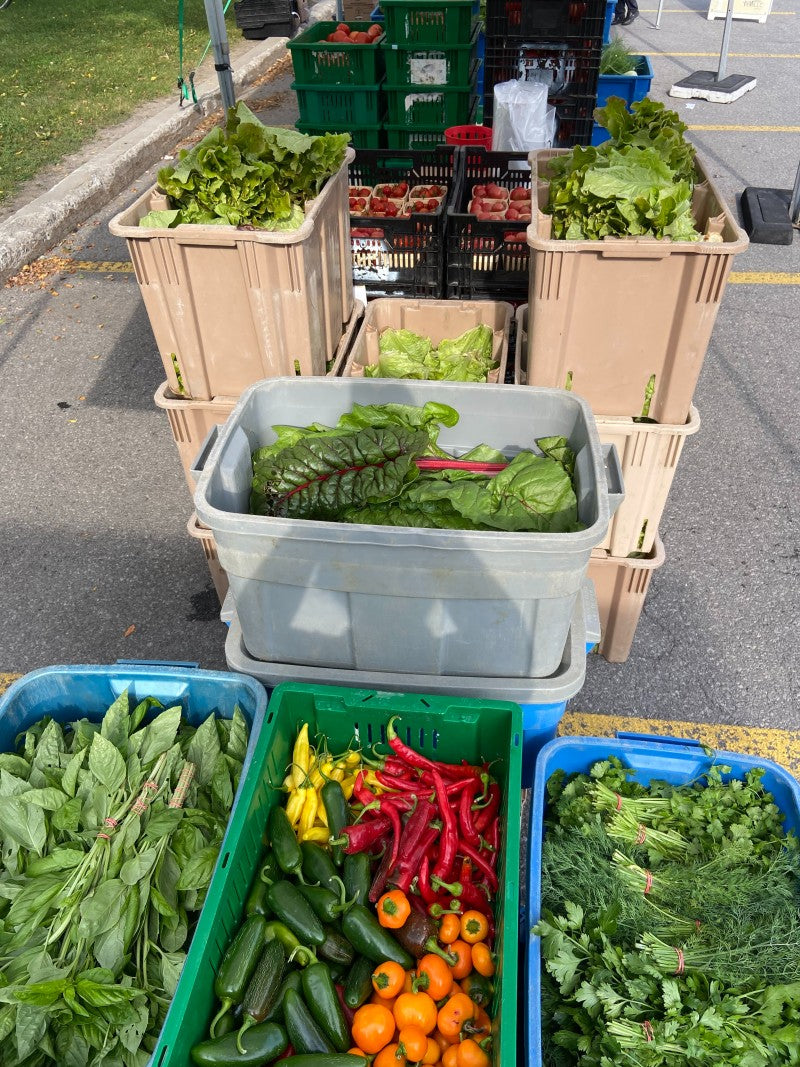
109, 833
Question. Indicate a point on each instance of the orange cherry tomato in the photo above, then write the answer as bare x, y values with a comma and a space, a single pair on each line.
470, 1054
474, 927
390, 1056
413, 1043
482, 959
450, 1056
464, 953
415, 1009
432, 1052
373, 1028
436, 977
450, 929
452, 1016
388, 979
393, 909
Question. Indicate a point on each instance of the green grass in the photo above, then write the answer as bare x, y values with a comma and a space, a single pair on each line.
70, 67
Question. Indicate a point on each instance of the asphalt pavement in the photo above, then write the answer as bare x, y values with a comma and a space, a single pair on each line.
96, 561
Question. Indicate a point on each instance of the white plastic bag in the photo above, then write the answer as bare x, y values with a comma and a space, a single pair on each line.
522, 119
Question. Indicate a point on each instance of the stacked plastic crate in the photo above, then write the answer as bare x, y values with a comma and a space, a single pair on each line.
339, 84
431, 54
230, 306
554, 42
626, 324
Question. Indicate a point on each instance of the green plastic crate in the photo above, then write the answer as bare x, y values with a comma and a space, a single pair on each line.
443, 22
430, 105
342, 105
360, 136
316, 60
413, 64
446, 728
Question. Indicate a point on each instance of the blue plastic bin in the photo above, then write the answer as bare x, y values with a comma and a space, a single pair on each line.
377, 15
627, 86
611, 6
599, 134
68, 693
672, 759
481, 64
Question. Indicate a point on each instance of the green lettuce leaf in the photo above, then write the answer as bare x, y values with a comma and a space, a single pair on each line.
405, 354
160, 219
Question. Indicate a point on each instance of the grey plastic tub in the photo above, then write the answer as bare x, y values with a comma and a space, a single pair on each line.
379, 598
543, 700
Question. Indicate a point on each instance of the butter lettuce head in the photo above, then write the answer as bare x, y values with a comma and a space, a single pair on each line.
405, 354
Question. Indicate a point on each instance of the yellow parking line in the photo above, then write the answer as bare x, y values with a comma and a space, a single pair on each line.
6, 680
767, 277
737, 55
782, 746
103, 267
749, 129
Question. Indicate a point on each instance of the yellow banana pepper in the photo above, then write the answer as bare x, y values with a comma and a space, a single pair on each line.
319, 834
301, 757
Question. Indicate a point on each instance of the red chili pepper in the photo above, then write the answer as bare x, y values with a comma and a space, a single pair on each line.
360, 791
348, 1012
480, 862
468, 831
428, 894
416, 759
472, 896
466, 871
289, 1052
493, 837
361, 836
405, 785
447, 851
411, 861
397, 830
381, 876
487, 814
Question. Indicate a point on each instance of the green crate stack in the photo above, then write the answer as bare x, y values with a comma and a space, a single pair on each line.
339, 87
431, 62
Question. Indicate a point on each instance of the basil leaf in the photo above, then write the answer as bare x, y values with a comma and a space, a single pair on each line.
50, 799
116, 722
106, 764
138, 867
159, 735
236, 745
102, 910
23, 823
203, 751
31, 1024
69, 780
199, 868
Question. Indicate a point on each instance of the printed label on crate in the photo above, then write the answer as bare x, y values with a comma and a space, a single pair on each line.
427, 70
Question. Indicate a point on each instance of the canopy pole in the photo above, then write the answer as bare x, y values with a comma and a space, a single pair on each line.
222, 54
726, 37
794, 203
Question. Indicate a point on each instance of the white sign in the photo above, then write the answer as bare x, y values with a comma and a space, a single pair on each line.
755, 10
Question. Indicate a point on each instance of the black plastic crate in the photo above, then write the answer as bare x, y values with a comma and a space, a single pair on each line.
253, 14
517, 20
487, 260
270, 29
402, 256
575, 119
567, 68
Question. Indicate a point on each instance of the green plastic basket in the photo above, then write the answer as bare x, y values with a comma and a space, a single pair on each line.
442, 22
446, 728
407, 138
316, 60
360, 136
413, 64
339, 105
430, 105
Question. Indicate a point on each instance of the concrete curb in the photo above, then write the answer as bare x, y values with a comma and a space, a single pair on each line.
45, 221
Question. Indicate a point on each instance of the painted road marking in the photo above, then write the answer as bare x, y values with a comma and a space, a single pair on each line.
102, 267
749, 129
767, 277
782, 746
6, 680
693, 11
738, 55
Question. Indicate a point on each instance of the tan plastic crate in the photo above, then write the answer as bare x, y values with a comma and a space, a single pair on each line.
621, 586
437, 319
191, 420
229, 307
649, 454
612, 313
206, 538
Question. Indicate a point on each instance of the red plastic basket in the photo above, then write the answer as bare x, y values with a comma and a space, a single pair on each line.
471, 135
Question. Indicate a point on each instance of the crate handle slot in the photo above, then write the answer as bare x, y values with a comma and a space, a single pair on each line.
199, 462
659, 739
614, 480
